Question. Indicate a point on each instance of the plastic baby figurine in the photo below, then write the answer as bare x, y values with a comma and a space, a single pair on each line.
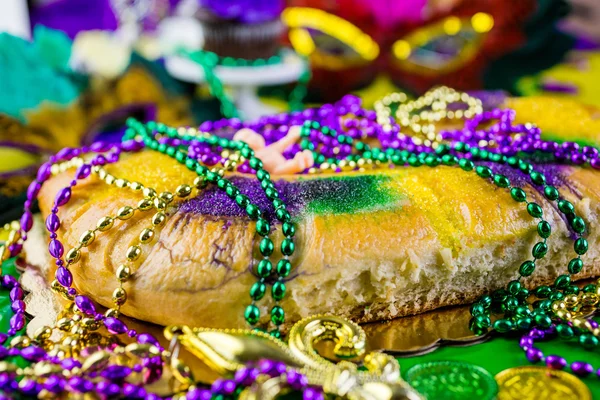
272, 155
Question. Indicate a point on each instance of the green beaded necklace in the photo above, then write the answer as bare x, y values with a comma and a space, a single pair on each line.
209, 60
264, 268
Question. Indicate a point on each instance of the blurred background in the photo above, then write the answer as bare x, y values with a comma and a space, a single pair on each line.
72, 71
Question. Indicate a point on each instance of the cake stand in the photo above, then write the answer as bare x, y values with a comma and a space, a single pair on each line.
243, 80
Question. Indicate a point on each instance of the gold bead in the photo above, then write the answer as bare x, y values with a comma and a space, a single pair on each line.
20, 341
158, 218
159, 204
121, 183
200, 182
42, 333
578, 322
149, 192
313, 170
112, 313
65, 324
119, 296
87, 238
90, 324
125, 213
133, 253
73, 256
183, 190
563, 314
588, 325
571, 300
136, 186
102, 173
145, 204
325, 166
105, 223
123, 273
589, 299
167, 197
147, 235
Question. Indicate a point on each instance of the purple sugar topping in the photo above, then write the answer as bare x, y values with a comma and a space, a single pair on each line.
244, 11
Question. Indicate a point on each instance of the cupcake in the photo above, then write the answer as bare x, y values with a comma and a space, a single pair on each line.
247, 29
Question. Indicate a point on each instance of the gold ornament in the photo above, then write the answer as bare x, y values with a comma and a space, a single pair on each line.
526, 383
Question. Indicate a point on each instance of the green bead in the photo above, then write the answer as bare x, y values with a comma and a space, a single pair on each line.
522, 311
588, 341
539, 250
287, 247
432, 161
501, 181
284, 267
511, 303
414, 161
162, 148
212, 177
252, 211
442, 149
232, 191
266, 184
525, 166
258, 290
282, 214
242, 200
562, 281
266, 247
545, 304
556, 296
477, 309
571, 289
581, 246
544, 229
512, 161
201, 170
503, 325
564, 331
514, 287
288, 229
523, 294
277, 315
449, 159
543, 321
566, 207
527, 268
589, 288
542, 291
534, 210
262, 174
551, 193
483, 171
484, 154
278, 290
254, 163
575, 266
537, 178
223, 183
466, 165
482, 321
497, 158
252, 314
191, 164
180, 157
524, 323
518, 194
486, 301
264, 268
578, 225
277, 335
262, 227
271, 193
278, 203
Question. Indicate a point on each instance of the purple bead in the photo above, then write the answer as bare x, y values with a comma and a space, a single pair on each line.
116, 372
115, 326
131, 145
536, 333
28, 387
15, 249
217, 386
534, 355
33, 190
85, 304
9, 281
556, 362
581, 368
17, 321
266, 366
26, 221
56, 248
525, 342
3, 337
3, 352
198, 394
83, 171
577, 158
14, 351
229, 387
18, 306
63, 196
595, 163
33, 353
16, 293
147, 338
312, 394
70, 363
44, 173
64, 276
65, 153
54, 384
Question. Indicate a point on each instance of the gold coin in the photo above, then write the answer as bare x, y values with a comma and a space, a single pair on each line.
540, 383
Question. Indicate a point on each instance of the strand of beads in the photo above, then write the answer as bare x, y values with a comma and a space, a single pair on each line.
149, 132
